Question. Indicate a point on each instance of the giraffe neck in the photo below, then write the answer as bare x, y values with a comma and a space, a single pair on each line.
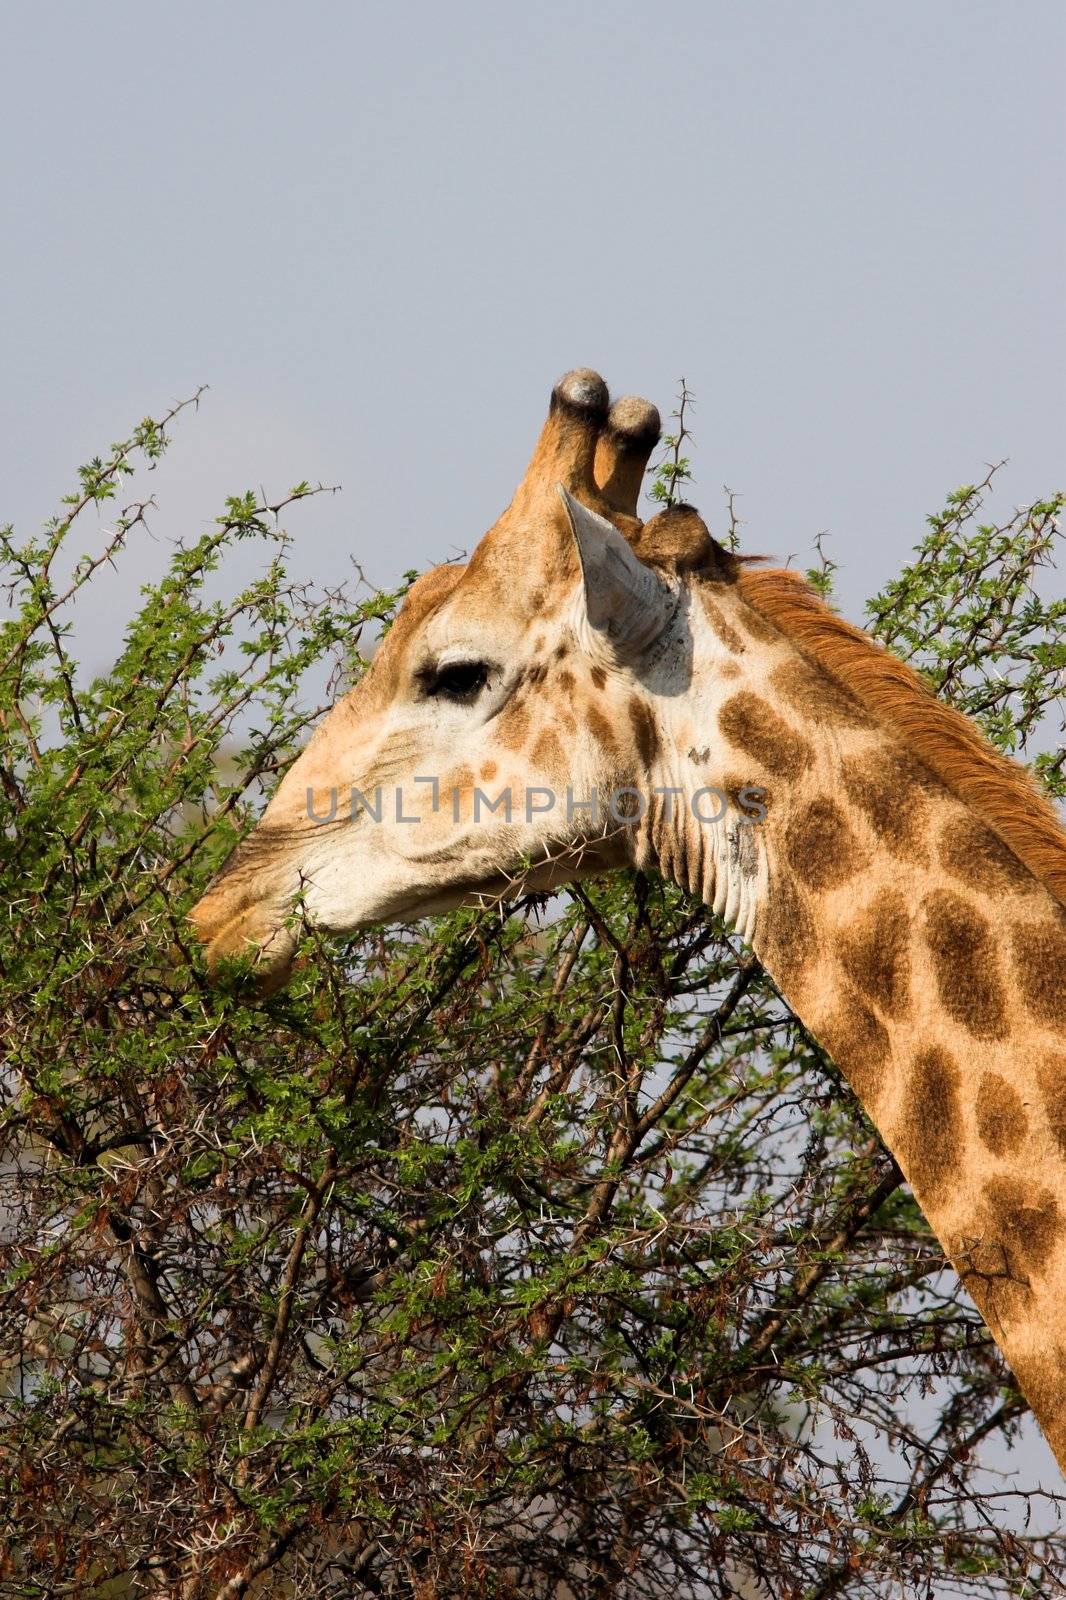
913, 944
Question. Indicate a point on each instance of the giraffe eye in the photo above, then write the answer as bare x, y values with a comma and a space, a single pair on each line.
461, 681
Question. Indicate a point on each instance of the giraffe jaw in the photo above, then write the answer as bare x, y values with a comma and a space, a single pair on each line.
267, 933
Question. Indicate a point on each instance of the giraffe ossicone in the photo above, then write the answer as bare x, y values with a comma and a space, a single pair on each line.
903, 883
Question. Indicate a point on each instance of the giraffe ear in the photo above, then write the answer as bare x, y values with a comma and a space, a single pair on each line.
627, 605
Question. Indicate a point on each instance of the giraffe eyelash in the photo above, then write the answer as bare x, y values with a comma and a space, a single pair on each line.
458, 681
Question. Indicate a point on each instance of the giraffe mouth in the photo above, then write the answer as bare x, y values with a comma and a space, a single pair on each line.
234, 923
251, 934
260, 935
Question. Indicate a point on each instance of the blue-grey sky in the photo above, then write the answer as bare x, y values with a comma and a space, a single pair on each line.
380, 233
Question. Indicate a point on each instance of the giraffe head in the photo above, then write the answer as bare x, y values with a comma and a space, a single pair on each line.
493, 740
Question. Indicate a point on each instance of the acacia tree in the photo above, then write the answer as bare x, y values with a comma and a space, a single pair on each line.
531, 1251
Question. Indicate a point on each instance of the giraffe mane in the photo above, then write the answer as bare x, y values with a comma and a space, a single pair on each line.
954, 750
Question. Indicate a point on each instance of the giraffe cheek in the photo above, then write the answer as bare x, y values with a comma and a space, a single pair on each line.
546, 756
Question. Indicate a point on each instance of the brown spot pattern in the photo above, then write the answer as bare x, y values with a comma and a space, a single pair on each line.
999, 1287
752, 726
820, 845
857, 1042
598, 676
971, 852
513, 726
928, 1133
1042, 1379
746, 794
966, 964
601, 730
1001, 1119
1051, 1078
948, 744
644, 730
566, 680
892, 793
874, 952
757, 625
488, 771
789, 940
455, 789
818, 696
721, 626
1040, 968
1027, 1219
547, 751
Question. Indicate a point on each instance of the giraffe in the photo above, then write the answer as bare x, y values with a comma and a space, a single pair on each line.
640, 695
